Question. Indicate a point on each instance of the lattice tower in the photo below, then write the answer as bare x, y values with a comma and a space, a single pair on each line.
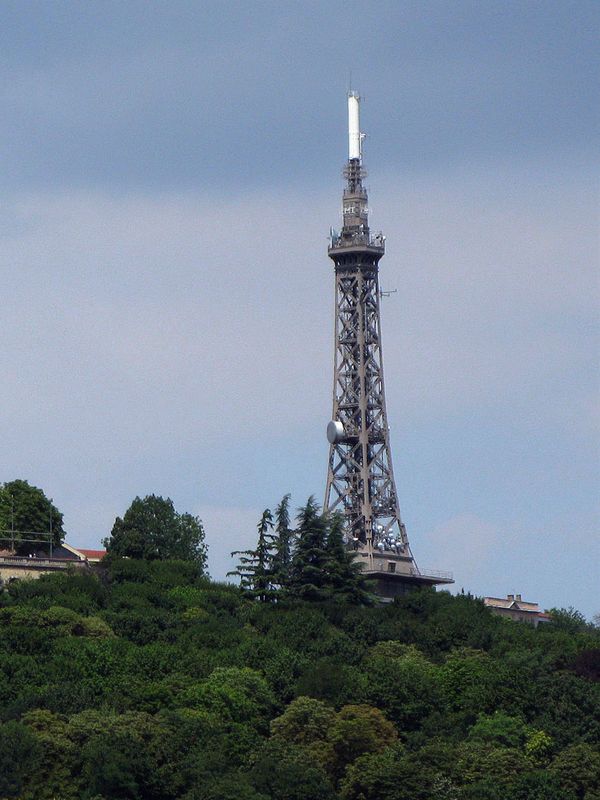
360, 477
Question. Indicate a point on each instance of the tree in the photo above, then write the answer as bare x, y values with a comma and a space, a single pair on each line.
333, 740
255, 569
538, 748
19, 754
114, 767
26, 513
568, 619
57, 769
344, 571
499, 728
308, 575
231, 786
538, 785
234, 694
357, 730
587, 664
305, 721
406, 684
578, 769
282, 771
481, 761
282, 559
387, 775
151, 529
322, 567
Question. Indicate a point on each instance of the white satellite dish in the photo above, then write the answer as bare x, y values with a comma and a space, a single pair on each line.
335, 431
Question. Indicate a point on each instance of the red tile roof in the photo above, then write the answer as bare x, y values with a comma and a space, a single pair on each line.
92, 553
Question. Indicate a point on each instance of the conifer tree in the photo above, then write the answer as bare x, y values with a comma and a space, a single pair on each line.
282, 560
255, 568
308, 574
344, 571
322, 567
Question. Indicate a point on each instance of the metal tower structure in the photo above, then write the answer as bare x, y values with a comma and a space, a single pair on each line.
360, 477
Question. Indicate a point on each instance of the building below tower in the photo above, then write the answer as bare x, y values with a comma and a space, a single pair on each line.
392, 574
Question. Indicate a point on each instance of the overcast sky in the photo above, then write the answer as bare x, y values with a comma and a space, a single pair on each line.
170, 171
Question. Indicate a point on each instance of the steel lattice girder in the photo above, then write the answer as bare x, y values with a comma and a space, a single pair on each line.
360, 480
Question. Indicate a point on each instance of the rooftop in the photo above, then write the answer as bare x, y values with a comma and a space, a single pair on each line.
514, 602
92, 554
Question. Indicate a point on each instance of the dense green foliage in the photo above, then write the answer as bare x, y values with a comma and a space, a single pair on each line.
27, 514
152, 529
150, 682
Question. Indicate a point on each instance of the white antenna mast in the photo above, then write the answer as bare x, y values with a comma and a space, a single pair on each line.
354, 135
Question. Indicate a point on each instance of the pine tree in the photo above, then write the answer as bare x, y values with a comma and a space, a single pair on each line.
319, 567
308, 574
344, 572
322, 567
255, 569
282, 559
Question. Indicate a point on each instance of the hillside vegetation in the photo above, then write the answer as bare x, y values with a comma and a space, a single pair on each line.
149, 681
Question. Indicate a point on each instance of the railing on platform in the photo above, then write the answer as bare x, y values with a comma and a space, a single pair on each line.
436, 573
35, 561
380, 564
371, 240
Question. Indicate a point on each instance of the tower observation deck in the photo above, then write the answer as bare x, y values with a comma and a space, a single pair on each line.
360, 477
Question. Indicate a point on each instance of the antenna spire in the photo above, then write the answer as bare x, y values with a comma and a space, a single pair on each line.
354, 134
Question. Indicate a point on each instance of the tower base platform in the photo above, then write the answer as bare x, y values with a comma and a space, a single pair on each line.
394, 574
